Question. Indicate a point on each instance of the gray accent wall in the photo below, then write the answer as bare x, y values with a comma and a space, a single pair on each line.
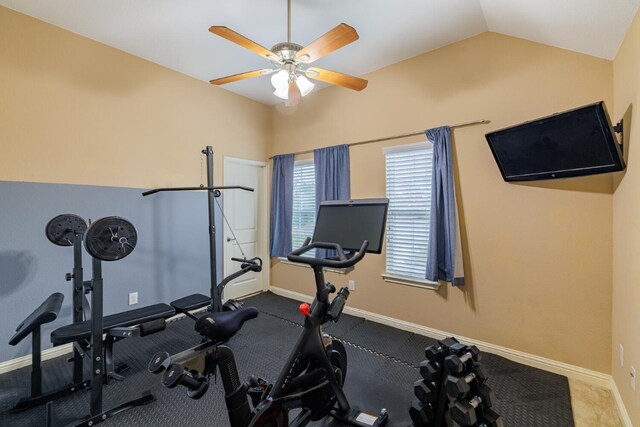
171, 259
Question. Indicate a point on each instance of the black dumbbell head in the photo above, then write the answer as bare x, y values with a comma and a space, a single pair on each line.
454, 364
491, 419
448, 342
429, 370
457, 387
421, 413
463, 413
426, 392
434, 353
480, 372
487, 395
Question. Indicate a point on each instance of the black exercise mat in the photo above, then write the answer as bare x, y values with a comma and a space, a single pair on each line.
381, 370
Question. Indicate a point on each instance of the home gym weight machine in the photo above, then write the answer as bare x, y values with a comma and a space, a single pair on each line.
311, 379
195, 301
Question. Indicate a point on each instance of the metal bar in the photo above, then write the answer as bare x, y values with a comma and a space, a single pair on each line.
404, 135
224, 187
36, 363
289, 21
215, 297
78, 298
97, 364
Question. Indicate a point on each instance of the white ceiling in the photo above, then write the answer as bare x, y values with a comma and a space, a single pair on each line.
173, 33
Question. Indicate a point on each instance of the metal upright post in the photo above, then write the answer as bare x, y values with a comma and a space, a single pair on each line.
97, 364
78, 296
215, 296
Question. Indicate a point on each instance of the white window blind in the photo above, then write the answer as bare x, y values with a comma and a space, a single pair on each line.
304, 202
408, 170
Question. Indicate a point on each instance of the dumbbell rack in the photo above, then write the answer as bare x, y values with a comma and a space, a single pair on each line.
452, 391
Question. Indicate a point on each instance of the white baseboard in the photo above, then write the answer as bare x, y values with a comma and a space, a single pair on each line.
592, 377
622, 410
23, 361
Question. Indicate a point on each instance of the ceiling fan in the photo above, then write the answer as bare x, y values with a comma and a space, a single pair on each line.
291, 61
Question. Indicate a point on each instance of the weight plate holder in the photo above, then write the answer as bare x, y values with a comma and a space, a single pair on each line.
61, 230
110, 238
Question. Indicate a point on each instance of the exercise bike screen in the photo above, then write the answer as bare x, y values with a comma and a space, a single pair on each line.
351, 222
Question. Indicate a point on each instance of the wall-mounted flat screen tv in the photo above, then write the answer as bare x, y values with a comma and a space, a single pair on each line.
573, 143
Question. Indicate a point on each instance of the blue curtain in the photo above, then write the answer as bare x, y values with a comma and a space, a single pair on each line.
281, 205
444, 261
333, 178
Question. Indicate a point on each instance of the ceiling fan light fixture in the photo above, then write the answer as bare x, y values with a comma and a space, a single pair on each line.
305, 85
280, 81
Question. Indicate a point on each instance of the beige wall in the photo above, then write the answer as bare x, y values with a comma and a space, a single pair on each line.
626, 224
76, 111
539, 257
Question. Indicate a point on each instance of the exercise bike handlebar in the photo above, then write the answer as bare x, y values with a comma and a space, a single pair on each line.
341, 262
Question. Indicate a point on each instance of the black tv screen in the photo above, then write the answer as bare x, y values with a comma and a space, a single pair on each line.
351, 222
573, 143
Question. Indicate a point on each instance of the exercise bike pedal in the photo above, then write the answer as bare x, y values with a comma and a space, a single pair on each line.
358, 418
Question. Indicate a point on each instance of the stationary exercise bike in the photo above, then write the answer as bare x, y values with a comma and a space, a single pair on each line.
312, 377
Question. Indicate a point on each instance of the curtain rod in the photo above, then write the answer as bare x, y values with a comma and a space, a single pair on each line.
405, 135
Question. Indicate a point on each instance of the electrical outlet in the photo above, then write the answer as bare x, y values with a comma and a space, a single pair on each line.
133, 298
633, 378
621, 355
352, 285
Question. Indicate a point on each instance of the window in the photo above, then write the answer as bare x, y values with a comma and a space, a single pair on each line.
408, 179
304, 202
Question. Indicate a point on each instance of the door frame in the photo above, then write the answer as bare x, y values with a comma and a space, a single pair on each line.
263, 216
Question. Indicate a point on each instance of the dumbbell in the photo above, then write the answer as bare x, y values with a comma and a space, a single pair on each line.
463, 412
459, 386
421, 413
176, 374
461, 357
490, 419
425, 391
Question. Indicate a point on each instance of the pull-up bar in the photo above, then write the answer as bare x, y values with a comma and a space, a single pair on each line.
224, 187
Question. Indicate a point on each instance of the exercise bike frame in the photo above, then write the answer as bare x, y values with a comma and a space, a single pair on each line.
291, 387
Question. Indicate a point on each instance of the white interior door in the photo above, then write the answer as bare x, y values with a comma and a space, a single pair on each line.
245, 215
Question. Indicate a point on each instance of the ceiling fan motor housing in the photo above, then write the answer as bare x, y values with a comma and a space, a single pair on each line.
286, 50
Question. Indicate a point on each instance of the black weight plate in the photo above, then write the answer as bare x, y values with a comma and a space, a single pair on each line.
110, 238
61, 230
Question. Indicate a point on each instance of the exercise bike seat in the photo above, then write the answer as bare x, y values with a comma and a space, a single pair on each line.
223, 325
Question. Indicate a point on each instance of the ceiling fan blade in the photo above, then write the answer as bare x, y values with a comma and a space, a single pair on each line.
344, 80
241, 40
241, 76
340, 36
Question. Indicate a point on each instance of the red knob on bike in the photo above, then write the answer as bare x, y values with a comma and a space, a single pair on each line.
304, 309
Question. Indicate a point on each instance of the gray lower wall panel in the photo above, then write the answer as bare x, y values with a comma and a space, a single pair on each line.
171, 258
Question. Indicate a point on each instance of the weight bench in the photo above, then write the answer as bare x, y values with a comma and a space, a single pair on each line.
147, 320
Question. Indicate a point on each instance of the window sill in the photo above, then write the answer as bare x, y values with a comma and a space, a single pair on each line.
410, 281
332, 270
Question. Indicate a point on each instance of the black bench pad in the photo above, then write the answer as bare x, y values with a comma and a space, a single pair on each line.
80, 331
47, 312
191, 302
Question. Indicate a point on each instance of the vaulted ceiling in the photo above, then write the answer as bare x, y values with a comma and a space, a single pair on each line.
173, 33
